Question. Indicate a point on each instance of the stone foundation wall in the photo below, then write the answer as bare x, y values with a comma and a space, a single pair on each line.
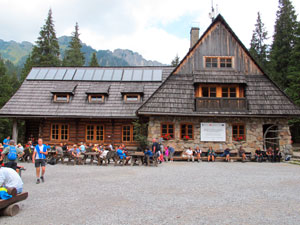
254, 132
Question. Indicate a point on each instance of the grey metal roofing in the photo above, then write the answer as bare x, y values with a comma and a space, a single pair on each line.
96, 73
176, 97
34, 97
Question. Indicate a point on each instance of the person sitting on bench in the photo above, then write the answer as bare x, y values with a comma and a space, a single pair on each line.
242, 153
277, 155
211, 154
198, 152
75, 152
9, 178
270, 154
148, 154
258, 155
122, 155
189, 153
227, 154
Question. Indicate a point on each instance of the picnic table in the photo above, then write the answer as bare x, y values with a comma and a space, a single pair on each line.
92, 155
136, 158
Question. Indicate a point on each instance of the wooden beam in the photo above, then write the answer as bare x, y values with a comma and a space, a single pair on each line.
15, 130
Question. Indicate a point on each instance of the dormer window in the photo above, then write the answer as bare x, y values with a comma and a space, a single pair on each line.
132, 94
218, 62
132, 98
96, 98
63, 93
61, 97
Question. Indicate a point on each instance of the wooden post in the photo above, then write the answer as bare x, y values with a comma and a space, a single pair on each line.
15, 130
11, 210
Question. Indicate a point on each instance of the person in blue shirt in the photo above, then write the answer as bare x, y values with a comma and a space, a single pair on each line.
82, 147
39, 159
122, 155
6, 142
171, 153
148, 153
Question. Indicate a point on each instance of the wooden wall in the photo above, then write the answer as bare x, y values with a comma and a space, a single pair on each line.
77, 130
218, 41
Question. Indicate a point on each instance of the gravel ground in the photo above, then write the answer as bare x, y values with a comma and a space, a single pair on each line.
173, 193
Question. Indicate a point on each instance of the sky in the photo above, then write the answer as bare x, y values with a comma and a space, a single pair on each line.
157, 29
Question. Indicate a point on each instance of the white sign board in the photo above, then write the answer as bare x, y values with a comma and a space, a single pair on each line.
213, 132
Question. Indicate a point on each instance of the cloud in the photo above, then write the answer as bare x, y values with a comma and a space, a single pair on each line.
146, 26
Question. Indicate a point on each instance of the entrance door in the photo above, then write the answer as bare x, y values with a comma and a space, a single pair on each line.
271, 138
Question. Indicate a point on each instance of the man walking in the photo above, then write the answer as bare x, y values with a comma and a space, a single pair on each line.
39, 159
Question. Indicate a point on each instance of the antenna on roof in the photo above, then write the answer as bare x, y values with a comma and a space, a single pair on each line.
212, 13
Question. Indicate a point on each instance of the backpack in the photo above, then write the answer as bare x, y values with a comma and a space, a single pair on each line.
12, 154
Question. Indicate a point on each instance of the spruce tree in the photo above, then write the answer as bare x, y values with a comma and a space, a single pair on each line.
73, 55
258, 47
283, 42
294, 70
175, 61
94, 60
46, 50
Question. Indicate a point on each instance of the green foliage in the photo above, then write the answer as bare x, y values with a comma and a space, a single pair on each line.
46, 50
293, 89
73, 55
26, 68
9, 84
94, 60
175, 62
283, 42
140, 131
258, 47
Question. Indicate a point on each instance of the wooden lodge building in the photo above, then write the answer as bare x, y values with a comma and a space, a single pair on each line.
218, 95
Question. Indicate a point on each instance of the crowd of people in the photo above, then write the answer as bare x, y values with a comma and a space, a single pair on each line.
10, 153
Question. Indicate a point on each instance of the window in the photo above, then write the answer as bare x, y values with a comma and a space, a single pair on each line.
238, 132
96, 98
228, 92
225, 62
187, 131
127, 133
61, 98
132, 98
211, 62
219, 91
94, 133
218, 62
209, 92
59, 132
167, 131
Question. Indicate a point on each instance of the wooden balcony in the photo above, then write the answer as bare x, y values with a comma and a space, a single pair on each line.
221, 104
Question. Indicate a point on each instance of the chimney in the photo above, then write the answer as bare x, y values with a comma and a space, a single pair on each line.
194, 35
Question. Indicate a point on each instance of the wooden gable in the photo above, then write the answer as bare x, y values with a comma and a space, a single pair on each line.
219, 41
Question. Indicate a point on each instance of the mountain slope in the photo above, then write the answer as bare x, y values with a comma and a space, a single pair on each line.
18, 52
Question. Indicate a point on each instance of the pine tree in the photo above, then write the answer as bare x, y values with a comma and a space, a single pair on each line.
175, 61
94, 60
26, 68
46, 50
283, 42
73, 55
294, 70
258, 47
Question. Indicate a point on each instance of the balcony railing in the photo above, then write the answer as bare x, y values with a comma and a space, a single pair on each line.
221, 104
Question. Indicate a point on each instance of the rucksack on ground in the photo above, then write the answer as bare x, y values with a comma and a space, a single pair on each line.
12, 154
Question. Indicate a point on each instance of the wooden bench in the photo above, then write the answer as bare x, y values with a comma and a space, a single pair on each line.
179, 156
8, 207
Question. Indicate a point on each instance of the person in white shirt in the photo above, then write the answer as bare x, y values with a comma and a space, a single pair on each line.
189, 153
9, 178
103, 154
